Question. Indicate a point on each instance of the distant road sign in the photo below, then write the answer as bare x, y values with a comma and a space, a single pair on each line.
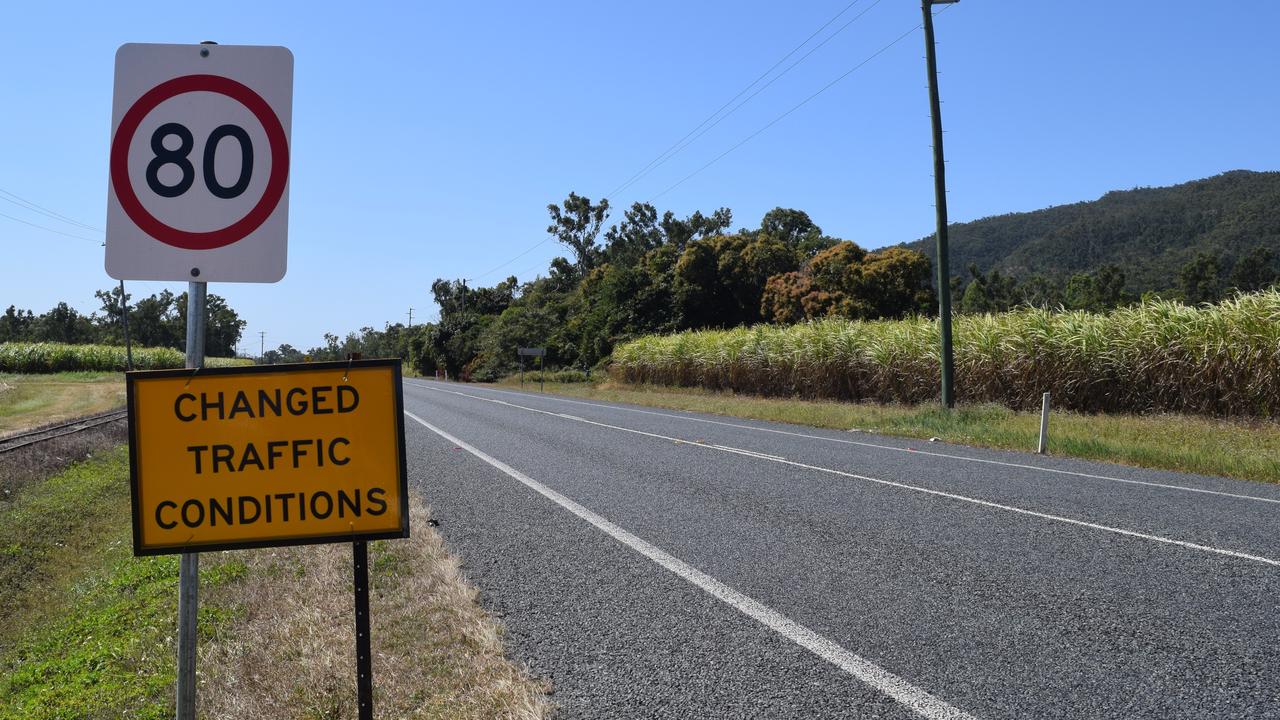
199, 170
532, 352
269, 455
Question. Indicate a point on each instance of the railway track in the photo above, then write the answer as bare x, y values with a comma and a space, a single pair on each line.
17, 441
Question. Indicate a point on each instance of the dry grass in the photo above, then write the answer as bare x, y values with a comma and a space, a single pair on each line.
289, 651
28, 401
1244, 449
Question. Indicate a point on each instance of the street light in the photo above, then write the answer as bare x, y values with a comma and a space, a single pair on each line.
940, 193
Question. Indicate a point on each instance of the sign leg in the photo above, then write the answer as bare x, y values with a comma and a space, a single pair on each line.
189, 572
364, 664
188, 603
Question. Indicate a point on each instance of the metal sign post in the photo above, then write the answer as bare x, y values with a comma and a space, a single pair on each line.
364, 663
538, 352
189, 571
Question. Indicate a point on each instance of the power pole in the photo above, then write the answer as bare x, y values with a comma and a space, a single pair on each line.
262, 344
463, 295
940, 193
410, 317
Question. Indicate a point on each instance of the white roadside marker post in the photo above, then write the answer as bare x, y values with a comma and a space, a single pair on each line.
1044, 424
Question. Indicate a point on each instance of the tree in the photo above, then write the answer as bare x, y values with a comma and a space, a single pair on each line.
110, 323
847, 281
152, 322
988, 293
63, 324
1199, 280
637, 234
577, 226
15, 324
1040, 292
1255, 270
223, 325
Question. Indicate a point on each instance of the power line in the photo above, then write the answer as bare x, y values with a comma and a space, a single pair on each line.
779, 118
49, 229
539, 244
699, 130
678, 145
27, 204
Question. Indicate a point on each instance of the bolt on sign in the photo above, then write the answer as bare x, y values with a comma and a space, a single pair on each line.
260, 456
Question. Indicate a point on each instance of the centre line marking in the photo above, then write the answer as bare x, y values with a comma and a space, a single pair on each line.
910, 696
894, 483
1005, 463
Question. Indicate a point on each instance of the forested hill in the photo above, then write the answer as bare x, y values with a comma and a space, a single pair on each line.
1149, 232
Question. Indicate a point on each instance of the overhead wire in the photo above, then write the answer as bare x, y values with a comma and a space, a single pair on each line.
687, 140
49, 229
695, 134
540, 243
22, 202
795, 107
680, 144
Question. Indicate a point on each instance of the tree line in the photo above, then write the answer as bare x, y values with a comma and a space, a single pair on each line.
657, 272
159, 320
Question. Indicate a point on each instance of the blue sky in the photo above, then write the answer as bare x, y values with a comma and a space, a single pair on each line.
428, 138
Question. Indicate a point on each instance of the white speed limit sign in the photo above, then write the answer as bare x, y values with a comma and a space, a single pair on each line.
199, 170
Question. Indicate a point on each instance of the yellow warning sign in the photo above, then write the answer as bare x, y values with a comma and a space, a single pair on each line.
271, 455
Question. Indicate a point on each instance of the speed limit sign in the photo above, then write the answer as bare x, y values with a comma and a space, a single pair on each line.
199, 172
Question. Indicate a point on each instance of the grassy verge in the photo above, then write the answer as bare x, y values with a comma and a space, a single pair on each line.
290, 652
28, 401
86, 629
1246, 450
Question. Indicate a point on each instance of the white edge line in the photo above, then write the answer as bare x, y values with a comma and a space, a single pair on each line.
878, 446
910, 696
894, 483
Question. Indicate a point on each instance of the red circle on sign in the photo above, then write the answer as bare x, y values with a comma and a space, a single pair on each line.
234, 232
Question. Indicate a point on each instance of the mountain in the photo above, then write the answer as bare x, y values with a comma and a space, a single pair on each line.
1149, 232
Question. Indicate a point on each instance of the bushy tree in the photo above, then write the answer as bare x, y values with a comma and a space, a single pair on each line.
1200, 280
845, 280
1255, 270
577, 226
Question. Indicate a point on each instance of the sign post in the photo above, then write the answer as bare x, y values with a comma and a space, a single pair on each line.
198, 191
539, 353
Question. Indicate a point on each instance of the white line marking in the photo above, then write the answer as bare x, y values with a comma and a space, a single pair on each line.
918, 700
893, 483
878, 446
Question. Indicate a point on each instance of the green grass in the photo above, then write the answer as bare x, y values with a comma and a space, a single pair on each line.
1239, 449
85, 628
1160, 356
31, 400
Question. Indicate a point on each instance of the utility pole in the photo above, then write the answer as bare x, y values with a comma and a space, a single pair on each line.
262, 344
940, 193
410, 317
463, 295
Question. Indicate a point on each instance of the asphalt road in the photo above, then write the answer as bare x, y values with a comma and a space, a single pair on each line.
655, 563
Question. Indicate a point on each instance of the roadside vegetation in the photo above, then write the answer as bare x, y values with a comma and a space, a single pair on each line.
1244, 449
45, 357
87, 630
1158, 356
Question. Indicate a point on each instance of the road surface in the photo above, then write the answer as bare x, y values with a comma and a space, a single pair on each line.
654, 563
